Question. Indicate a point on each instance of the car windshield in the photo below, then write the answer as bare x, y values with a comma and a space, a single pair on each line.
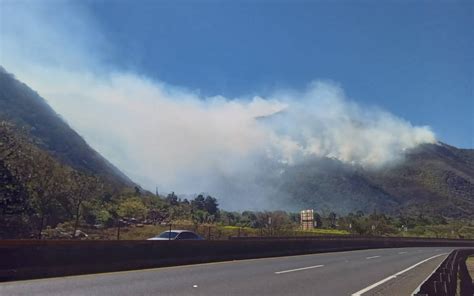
168, 234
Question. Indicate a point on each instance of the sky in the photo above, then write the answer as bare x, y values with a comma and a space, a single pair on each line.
213, 97
414, 58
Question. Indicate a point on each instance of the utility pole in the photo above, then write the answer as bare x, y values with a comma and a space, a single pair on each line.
118, 230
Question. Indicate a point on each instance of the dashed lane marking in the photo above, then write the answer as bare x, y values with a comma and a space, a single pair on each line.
372, 257
298, 269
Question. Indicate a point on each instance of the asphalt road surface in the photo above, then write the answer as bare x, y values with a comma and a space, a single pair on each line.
367, 272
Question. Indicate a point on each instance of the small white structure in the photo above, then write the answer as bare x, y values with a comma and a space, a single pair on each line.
307, 219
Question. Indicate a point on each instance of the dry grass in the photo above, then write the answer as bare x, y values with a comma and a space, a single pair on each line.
206, 231
470, 265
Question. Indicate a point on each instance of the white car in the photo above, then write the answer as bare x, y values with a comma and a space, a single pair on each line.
177, 235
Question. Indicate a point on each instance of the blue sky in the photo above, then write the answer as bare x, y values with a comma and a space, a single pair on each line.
414, 59
173, 92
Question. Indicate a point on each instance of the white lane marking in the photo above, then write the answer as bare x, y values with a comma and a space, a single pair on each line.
195, 286
277, 258
372, 257
402, 252
358, 293
298, 269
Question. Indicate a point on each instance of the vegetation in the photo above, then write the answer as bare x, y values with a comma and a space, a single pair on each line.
41, 196
37, 190
24, 108
365, 225
436, 179
53, 184
470, 266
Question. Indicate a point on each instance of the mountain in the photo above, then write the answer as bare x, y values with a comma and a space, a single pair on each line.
433, 179
24, 108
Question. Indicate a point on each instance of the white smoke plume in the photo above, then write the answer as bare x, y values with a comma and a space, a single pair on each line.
173, 138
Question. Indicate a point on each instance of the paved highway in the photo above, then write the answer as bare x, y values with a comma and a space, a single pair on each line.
366, 272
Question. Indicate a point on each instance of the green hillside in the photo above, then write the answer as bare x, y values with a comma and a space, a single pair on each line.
23, 107
432, 179
50, 175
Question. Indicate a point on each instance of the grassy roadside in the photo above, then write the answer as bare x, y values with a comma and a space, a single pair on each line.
470, 266
220, 231
206, 231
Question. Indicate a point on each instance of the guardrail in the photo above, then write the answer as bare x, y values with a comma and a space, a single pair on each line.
354, 237
25, 259
451, 277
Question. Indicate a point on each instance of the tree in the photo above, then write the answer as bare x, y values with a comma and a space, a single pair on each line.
249, 219
132, 208
40, 175
211, 205
318, 222
157, 208
137, 191
438, 220
230, 218
14, 203
105, 218
158, 215
172, 199
199, 203
46, 187
83, 188
332, 217
294, 217
361, 226
14, 206
279, 221
199, 216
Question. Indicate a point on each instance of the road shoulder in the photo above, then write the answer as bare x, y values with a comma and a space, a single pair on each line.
407, 282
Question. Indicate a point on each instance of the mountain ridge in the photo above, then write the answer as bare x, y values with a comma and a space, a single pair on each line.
27, 110
433, 179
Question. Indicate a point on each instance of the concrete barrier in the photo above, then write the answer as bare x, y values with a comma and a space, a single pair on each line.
26, 259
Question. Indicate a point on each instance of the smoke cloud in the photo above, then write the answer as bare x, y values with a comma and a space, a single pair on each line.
174, 138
